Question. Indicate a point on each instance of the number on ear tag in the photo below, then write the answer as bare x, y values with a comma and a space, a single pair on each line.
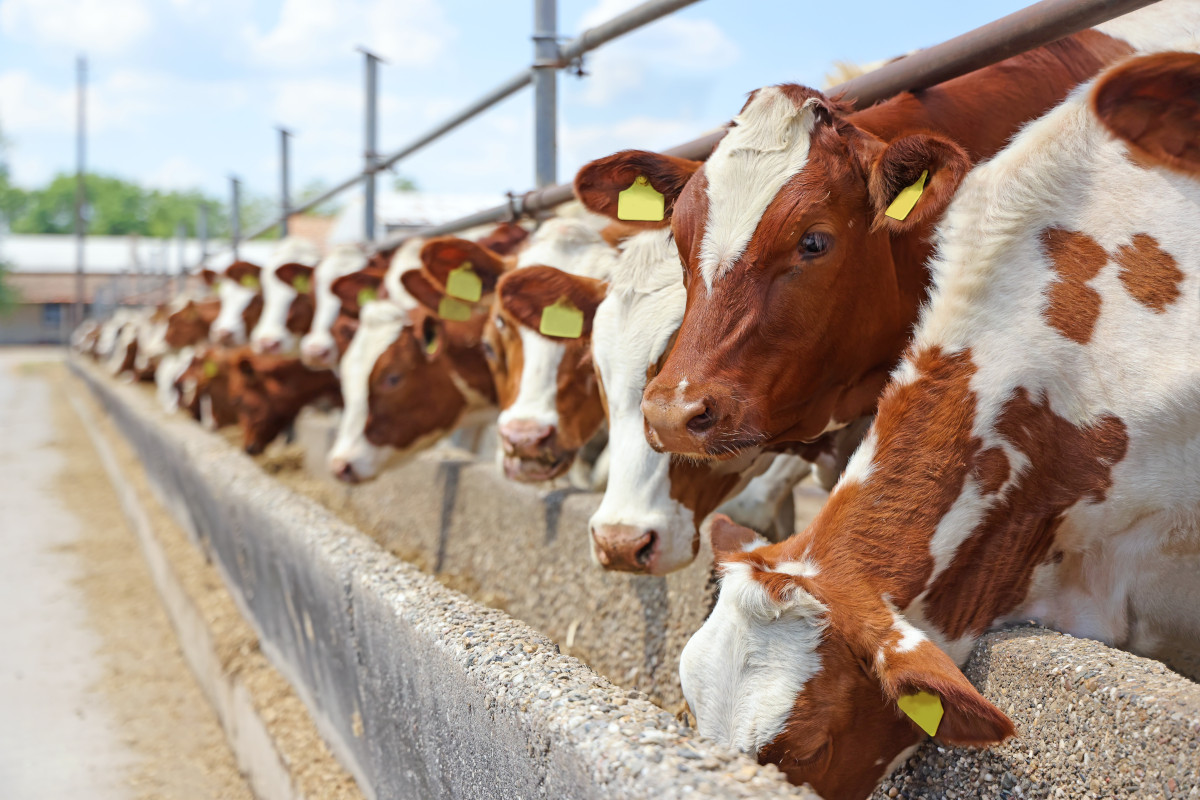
907, 199
210, 369
454, 310
641, 202
923, 708
249, 281
464, 284
302, 284
562, 319
365, 296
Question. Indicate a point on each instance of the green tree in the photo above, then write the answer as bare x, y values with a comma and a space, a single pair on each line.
403, 183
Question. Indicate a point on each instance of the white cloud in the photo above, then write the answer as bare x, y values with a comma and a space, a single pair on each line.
580, 144
316, 32
92, 26
672, 44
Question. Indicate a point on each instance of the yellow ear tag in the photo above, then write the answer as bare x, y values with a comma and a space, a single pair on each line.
562, 319
302, 284
907, 199
210, 369
431, 346
464, 284
641, 202
249, 281
923, 708
454, 310
365, 296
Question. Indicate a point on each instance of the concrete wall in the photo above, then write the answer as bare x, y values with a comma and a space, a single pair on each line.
24, 324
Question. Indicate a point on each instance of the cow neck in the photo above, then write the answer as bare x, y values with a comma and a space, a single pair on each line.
928, 514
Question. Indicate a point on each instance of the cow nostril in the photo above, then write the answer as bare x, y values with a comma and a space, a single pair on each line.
704, 420
646, 552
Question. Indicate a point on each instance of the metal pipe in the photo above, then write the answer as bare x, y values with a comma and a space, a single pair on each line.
235, 214
371, 147
589, 40
285, 195
80, 188
1034, 26
545, 92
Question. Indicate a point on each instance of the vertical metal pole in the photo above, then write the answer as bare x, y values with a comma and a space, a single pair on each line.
181, 271
80, 189
285, 195
235, 215
202, 230
545, 91
371, 149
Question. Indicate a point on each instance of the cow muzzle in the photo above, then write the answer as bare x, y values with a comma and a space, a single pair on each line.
532, 453
626, 548
689, 423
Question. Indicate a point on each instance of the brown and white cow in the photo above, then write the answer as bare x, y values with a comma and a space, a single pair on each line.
320, 348
801, 289
287, 310
203, 389
268, 392
1034, 457
240, 295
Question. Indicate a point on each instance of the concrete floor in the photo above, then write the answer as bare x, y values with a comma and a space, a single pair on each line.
57, 739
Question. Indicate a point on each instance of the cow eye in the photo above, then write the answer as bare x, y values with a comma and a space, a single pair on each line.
814, 243
391, 380
488, 350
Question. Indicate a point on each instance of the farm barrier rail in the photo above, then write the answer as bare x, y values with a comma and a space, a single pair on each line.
423, 692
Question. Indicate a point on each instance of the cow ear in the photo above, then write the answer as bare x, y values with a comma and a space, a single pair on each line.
913, 180
298, 276
356, 289
600, 183
244, 273
444, 254
925, 685
505, 239
1152, 103
527, 293
729, 538
208, 276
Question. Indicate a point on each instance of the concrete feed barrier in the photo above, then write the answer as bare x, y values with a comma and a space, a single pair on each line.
419, 691
424, 693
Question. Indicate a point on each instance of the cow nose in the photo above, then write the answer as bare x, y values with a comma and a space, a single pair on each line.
525, 436
269, 346
627, 548
318, 356
225, 338
680, 425
343, 470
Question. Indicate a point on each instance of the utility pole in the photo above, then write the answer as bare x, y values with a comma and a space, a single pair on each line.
235, 214
545, 92
285, 197
80, 187
371, 149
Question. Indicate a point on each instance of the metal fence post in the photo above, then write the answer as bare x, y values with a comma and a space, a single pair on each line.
545, 92
371, 149
235, 214
80, 190
285, 196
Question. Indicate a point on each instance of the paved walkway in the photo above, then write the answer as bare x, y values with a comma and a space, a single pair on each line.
57, 739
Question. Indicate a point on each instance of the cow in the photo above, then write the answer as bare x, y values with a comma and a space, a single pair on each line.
319, 349
202, 387
268, 392
1033, 458
397, 349
287, 310
241, 304
802, 290
549, 401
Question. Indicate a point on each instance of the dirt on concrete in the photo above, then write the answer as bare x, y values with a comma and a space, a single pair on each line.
314, 770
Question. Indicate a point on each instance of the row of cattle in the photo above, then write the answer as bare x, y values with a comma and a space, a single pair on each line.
999, 275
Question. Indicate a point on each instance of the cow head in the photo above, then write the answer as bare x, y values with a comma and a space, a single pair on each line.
809, 670
352, 292
189, 325
203, 387
795, 309
240, 294
320, 348
269, 391
287, 309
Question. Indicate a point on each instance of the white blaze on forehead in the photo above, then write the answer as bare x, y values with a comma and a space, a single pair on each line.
234, 300
277, 295
572, 245
342, 260
768, 145
380, 324
741, 672
538, 390
406, 257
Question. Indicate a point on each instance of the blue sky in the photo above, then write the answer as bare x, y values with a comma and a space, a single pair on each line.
186, 92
